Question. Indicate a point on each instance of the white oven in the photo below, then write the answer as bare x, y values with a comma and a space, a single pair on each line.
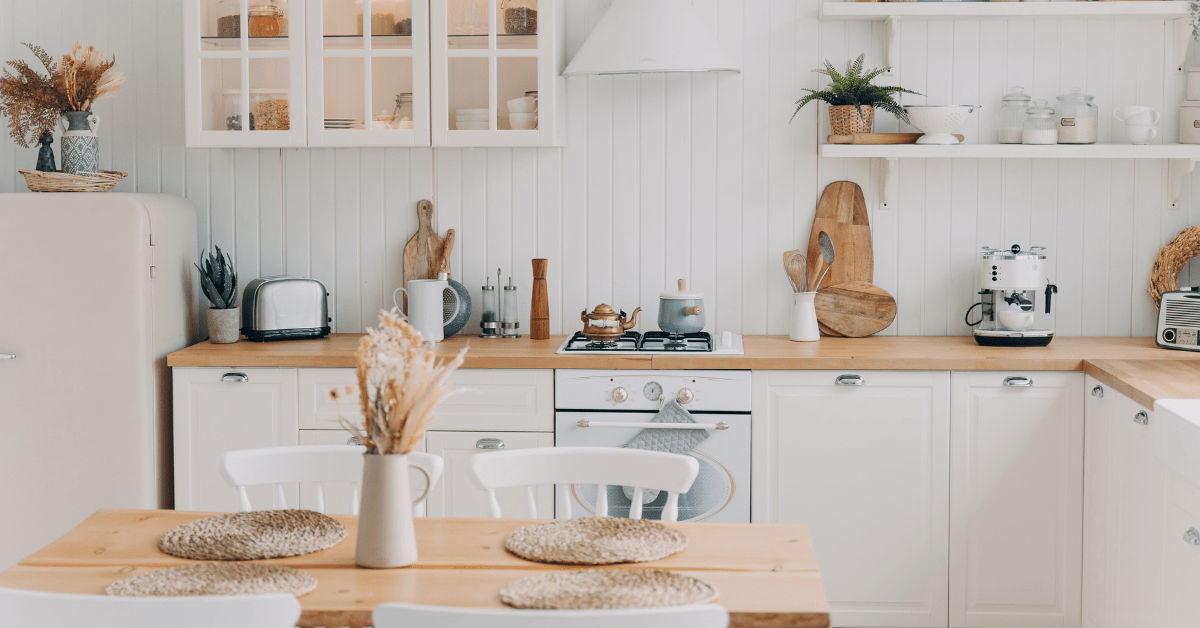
609, 408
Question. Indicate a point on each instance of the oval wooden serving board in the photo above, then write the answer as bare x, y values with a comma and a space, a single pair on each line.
842, 213
856, 309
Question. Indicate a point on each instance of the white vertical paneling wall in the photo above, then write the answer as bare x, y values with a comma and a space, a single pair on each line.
701, 177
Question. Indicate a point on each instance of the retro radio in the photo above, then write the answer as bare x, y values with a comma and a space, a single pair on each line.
1179, 319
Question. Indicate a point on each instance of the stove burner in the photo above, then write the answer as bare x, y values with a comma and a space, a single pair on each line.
602, 344
628, 342
650, 341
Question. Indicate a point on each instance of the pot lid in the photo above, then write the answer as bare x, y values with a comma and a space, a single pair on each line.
682, 293
1014, 252
1075, 95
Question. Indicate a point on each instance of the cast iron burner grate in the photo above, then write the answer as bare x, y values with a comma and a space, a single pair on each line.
662, 341
627, 342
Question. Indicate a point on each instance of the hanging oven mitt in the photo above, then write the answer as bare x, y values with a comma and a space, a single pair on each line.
670, 441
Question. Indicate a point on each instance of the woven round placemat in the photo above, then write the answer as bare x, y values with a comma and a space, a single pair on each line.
1172, 258
607, 588
253, 535
216, 579
595, 541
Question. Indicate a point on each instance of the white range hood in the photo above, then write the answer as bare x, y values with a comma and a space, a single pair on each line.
650, 36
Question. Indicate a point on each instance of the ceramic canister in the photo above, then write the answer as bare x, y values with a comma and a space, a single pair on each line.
1193, 83
80, 146
1189, 122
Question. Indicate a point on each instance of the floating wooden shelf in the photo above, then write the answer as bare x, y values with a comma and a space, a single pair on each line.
1002, 10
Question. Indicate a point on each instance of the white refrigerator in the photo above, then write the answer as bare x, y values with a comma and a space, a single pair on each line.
95, 290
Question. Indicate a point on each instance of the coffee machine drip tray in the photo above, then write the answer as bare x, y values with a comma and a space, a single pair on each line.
1031, 337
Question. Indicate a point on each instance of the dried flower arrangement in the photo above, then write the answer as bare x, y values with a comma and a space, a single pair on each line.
34, 103
400, 384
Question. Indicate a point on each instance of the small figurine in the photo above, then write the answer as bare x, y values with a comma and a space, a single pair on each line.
45, 161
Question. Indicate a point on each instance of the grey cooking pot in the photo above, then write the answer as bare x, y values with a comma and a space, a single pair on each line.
681, 312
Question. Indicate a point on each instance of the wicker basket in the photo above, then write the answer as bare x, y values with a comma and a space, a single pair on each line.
844, 120
102, 181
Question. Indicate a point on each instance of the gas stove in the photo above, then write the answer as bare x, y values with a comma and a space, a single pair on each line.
657, 342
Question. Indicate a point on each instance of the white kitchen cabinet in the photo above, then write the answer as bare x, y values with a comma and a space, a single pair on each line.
863, 460
1181, 553
1097, 503
1016, 498
457, 495
223, 409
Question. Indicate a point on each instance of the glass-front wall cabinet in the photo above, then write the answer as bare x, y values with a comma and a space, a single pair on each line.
374, 72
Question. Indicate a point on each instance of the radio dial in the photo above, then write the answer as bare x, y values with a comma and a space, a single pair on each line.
1169, 335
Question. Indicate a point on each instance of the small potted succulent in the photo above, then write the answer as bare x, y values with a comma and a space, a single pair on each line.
852, 97
218, 280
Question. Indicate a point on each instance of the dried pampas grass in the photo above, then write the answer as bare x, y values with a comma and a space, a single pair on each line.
399, 383
1172, 258
87, 75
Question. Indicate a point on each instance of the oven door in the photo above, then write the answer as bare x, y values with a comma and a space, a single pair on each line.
721, 492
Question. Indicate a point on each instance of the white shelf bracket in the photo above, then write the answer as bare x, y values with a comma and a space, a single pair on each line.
891, 40
891, 182
1183, 37
1178, 169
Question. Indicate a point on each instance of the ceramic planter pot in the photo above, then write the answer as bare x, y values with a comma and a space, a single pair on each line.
223, 325
681, 312
386, 537
845, 120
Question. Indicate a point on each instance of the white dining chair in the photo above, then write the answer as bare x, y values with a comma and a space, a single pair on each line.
603, 466
38, 609
319, 464
400, 615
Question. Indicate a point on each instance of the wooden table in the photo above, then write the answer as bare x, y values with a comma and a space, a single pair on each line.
767, 575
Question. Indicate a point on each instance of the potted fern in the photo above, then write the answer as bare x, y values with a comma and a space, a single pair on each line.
218, 280
852, 97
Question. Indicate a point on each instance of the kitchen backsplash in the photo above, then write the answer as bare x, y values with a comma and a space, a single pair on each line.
675, 176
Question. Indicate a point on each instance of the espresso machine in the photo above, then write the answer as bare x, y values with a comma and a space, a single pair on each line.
1010, 280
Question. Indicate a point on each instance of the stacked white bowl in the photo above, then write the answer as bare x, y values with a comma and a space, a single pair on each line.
471, 119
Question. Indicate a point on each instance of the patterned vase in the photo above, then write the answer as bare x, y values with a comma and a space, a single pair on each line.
80, 146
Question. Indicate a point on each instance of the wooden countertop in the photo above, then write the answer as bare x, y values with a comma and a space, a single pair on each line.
1134, 366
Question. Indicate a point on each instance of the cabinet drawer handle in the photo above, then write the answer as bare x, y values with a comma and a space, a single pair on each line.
1141, 418
235, 377
849, 380
1098, 391
1192, 536
489, 443
1018, 381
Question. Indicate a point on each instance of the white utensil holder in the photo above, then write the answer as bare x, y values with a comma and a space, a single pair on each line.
804, 317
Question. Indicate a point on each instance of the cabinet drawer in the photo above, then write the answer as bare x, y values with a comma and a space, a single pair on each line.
498, 400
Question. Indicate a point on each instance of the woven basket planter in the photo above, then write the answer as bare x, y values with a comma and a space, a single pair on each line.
844, 120
102, 181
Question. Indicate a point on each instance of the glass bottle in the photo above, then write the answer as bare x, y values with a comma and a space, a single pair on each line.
1039, 125
519, 16
1012, 115
1078, 118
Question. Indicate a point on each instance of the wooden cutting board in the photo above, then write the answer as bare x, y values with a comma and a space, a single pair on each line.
424, 251
856, 309
842, 213
878, 138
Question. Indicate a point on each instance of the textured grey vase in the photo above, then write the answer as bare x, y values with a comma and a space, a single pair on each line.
223, 325
80, 146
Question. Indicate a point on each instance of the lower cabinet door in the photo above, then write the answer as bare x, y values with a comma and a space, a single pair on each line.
339, 496
1182, 553
1016, 499
862, 458
457, 496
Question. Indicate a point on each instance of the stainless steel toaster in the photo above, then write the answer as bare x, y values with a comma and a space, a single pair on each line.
1179, 320
284, 308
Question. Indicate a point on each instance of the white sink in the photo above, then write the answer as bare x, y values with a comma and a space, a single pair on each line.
1177, 436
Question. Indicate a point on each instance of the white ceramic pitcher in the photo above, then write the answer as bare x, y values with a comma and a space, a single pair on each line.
386, 536
804, 317
425, 299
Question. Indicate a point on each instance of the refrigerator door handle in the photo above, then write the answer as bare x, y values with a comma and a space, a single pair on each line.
8, 356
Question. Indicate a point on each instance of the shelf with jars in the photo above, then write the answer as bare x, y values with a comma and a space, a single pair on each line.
374, 72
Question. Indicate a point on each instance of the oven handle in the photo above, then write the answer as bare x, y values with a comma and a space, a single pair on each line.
658, 426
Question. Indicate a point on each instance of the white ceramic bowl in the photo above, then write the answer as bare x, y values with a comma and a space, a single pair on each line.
938, 122
520, 121
471, 112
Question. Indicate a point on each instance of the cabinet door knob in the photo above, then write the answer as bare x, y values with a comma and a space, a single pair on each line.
1141, 418
850, 380
1018, 380
1098, 391
235, 377
1192, 536
489, 443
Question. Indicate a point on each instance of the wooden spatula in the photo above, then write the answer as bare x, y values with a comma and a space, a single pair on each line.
856, 309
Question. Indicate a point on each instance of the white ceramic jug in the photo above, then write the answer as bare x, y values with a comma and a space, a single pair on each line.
425, 297
804, 317
386, 537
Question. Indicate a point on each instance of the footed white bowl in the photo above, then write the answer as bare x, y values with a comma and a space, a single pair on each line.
938, 122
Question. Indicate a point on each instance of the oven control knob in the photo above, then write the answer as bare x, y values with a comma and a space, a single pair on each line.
619, 394
686, 395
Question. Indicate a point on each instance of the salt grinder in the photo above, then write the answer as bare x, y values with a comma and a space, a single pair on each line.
489, 323
508, 313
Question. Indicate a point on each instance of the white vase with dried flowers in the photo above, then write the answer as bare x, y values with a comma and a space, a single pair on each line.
400, 385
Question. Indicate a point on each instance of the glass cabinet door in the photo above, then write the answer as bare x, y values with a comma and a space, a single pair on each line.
244, 82
496, 66
368, 64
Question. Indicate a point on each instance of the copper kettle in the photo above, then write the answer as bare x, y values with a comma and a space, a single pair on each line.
605, 325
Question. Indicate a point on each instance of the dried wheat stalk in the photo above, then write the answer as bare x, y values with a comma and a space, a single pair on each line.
400, 385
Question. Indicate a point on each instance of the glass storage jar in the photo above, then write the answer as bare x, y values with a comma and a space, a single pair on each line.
283, 16
1012, 115
232, 106
263, 20
403, 115
519, 16
1039, 125
229, 18
1077, 118
403, 11
383, 17
269, 109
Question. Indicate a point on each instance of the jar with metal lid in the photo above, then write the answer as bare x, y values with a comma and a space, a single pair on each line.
229, 18
269, 109
520, 16
1078, 118
403, 115
1039, 125
263, 20
1012, 115
283, 16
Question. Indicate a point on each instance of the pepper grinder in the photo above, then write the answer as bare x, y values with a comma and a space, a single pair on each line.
539, 308
489, 323
508, 313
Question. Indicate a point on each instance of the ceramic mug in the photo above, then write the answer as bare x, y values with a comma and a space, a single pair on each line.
1135, 115
526, 104
1141, 133
424, 307
522, 121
